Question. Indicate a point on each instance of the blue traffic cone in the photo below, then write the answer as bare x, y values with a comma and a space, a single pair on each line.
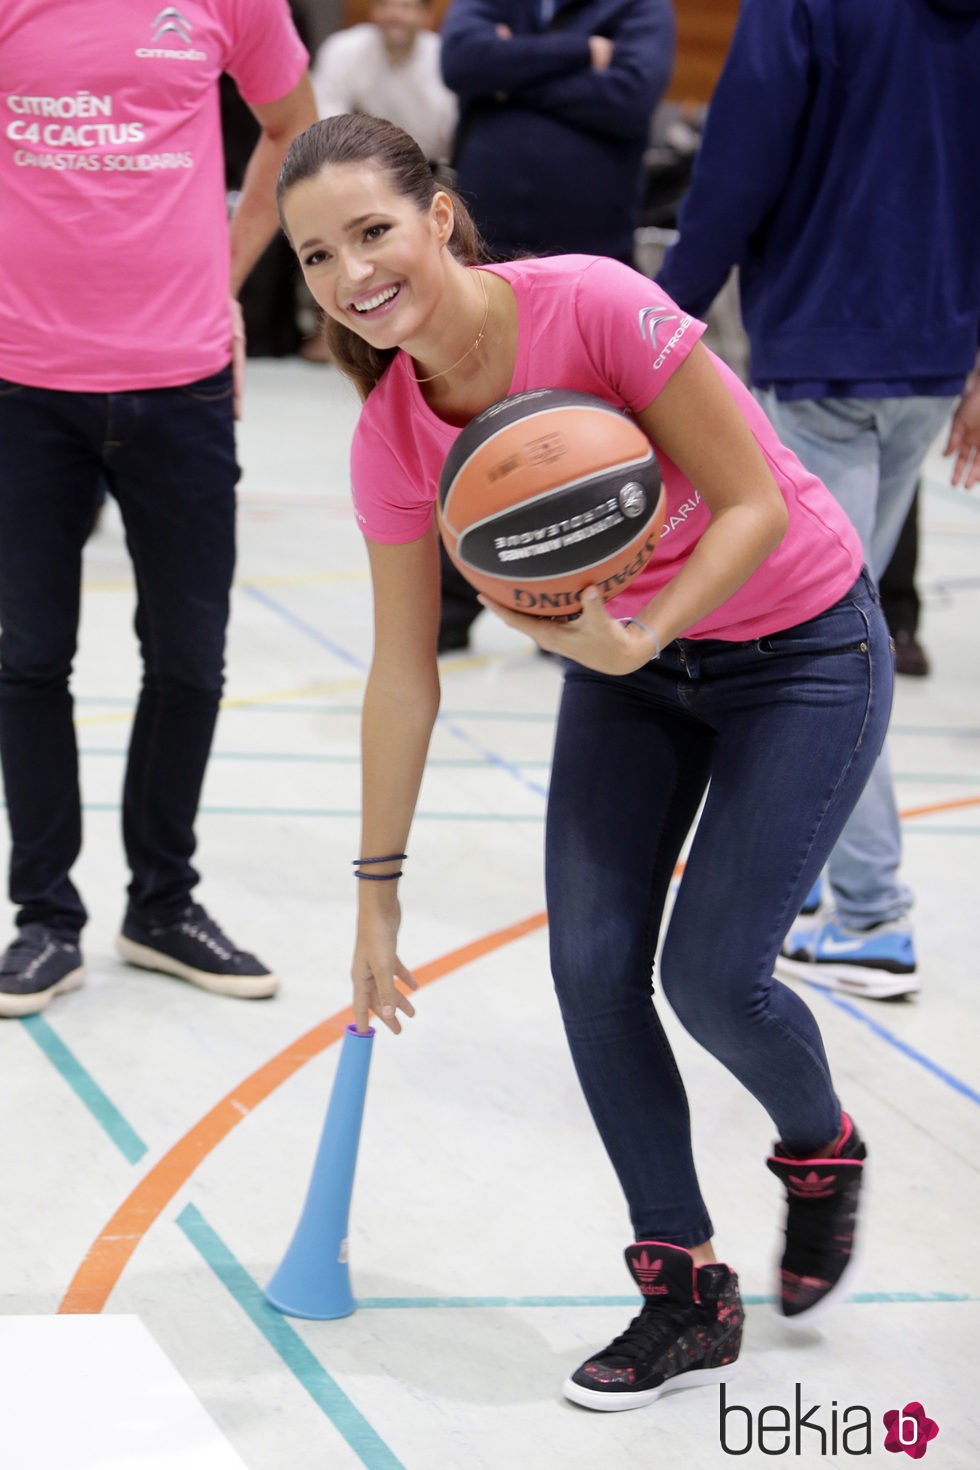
313, 1280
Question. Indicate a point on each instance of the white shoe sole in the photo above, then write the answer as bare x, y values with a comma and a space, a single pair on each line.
13, 1006
592, 1398
849, 979
244, 987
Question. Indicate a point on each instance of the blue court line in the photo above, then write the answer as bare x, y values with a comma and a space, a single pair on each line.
349, 1422
442, 719
85, 1087
913, 1054
302, 626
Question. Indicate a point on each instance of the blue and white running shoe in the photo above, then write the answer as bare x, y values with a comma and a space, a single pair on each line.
814, 899
877, 963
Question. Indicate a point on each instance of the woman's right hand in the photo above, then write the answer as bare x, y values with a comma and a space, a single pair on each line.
375, 969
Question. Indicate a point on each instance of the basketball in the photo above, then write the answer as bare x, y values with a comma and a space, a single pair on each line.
546, 493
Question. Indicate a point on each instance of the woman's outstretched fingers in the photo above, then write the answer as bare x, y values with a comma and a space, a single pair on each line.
383, 1000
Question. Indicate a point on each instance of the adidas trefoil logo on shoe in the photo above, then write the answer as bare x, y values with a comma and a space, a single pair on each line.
812, 1186
821, 1224
687, 1334
646, 1272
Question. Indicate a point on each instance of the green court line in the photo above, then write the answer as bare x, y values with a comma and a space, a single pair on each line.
461, 762
961, 498
858, 1298
304, 1365
913, 828
85, 1088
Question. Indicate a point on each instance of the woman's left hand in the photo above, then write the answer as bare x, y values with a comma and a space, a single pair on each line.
594, 639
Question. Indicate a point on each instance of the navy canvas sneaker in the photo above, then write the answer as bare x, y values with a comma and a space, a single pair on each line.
193, 947
37, 965
687, 1335
821, 1225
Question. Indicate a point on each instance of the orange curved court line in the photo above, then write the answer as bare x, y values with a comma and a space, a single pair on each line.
109, 1254
940, 806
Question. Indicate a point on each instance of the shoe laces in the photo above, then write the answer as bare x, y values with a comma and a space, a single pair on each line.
198, 924
655, 1328
34, 944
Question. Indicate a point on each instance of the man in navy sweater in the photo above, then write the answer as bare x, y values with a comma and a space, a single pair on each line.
556, 98
840, 171
555, 104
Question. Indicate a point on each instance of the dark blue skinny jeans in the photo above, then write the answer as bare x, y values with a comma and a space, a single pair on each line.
168, 456
777, 736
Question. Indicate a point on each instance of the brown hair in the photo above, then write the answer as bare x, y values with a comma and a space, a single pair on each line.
357, 138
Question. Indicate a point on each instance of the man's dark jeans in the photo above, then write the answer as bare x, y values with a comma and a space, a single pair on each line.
168, 457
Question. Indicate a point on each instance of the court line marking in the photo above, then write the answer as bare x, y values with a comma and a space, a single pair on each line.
107, 1257
841, 1003
750, 1299
465, 762
85, 1088
112, 1249
326, 1393
443, 719
909, 813
301, 1361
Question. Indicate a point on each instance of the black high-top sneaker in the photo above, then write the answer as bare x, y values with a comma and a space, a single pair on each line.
687, 1335
820, 1225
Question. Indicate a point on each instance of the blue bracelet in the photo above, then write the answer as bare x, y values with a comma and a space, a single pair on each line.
378, 877
393, 857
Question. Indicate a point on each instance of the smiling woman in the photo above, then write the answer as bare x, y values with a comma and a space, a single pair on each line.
363, 272
766, 707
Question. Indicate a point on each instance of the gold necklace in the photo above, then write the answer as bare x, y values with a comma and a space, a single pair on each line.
479, 338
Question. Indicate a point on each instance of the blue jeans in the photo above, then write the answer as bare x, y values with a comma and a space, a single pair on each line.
869, 453
777, 736
168, 457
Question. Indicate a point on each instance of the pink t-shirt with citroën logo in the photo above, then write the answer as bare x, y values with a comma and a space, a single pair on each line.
113, 233
599, 327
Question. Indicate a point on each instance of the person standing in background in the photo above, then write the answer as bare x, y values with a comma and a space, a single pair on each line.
858, 247
556, 99
389, 67
120, 360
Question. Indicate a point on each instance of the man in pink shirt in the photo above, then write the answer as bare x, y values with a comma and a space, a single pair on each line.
117, 329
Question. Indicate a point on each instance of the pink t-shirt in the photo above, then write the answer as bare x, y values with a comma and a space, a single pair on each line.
113, 233
596, 326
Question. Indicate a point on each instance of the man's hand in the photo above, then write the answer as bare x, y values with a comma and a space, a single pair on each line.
602, 52
964, 436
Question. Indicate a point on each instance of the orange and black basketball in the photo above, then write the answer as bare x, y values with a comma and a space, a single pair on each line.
546, 493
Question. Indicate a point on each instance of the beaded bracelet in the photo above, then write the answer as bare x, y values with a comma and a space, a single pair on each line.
648, 631
378, 877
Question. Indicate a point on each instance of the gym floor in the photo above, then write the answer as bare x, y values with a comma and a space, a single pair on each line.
157, 1142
